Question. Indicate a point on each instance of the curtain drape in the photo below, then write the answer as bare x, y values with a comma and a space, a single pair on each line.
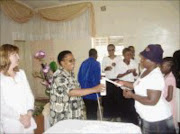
21, 13
40, 29
16, 11
68, 12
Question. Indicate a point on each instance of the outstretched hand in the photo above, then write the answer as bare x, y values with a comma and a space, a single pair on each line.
127, 93
100, 88
120, 82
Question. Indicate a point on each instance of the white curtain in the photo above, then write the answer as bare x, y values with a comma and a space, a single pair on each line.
39, 29
26, 61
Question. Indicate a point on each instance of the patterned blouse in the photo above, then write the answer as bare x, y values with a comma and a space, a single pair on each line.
63, 106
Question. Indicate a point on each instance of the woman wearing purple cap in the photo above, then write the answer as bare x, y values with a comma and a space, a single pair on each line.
156, 116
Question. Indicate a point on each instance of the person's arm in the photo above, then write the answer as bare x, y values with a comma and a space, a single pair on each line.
87, 91
126, 84
124, 74
170, 93
26, 118
134, 72
108, 68
151, 99
97, 75
29, 95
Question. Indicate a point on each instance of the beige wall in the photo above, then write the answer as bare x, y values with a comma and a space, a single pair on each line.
141, 23
79, 49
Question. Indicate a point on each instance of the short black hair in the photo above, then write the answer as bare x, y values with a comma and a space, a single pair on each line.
169, 60
131, 47
62, 54
126, 50
111, 45
92, 52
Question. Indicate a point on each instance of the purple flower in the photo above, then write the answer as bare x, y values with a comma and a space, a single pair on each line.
46, 69
40, 54
50, 80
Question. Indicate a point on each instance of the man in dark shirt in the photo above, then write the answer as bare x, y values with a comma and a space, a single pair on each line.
89, 76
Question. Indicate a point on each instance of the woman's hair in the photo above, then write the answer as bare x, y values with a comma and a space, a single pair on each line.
5, 51
176, 59
170, 62
126, 50
131, 47
62, 55
176, 68
111, 45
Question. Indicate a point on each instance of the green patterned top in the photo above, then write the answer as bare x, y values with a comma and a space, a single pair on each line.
63, 106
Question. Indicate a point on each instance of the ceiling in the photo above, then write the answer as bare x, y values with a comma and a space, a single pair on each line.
34, 4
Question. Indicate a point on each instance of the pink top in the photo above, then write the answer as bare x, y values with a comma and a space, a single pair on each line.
170, 80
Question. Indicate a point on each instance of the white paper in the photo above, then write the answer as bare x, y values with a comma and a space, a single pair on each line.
103, 93
117, 84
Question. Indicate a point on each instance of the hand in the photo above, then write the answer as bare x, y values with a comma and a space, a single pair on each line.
127, 93
128, 71
113, 64
134, 72
108, 68
99, 88
120, 82
25, 120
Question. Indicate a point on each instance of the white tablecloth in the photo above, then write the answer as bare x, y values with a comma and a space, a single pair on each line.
86, 126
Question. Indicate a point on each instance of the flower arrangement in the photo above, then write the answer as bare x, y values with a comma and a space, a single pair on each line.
46, 71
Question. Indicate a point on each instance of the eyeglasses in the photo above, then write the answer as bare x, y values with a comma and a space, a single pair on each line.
109, 50
70, 61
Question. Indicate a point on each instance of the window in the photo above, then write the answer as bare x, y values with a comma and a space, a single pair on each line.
100, 44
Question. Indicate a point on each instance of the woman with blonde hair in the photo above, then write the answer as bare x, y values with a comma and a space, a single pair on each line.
17, 101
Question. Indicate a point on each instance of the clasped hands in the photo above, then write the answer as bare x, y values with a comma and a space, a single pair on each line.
25, 120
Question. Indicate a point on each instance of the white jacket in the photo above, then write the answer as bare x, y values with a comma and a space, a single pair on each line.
16, 99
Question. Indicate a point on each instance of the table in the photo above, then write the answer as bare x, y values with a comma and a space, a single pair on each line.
87, 126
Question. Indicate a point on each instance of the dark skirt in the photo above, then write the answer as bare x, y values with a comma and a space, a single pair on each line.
115, 105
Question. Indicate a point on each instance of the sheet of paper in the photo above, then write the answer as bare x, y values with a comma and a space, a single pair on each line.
117, 84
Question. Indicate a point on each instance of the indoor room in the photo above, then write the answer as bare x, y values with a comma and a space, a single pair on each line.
50, 36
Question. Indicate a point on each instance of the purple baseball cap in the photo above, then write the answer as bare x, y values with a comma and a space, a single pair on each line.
153, 52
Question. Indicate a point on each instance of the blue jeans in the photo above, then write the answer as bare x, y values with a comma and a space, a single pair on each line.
160, 127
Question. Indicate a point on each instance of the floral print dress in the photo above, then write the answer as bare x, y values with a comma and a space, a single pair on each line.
63, 106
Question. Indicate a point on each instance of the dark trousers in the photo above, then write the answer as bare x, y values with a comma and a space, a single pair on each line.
110, 101
91, 109
115, 105
160, 127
